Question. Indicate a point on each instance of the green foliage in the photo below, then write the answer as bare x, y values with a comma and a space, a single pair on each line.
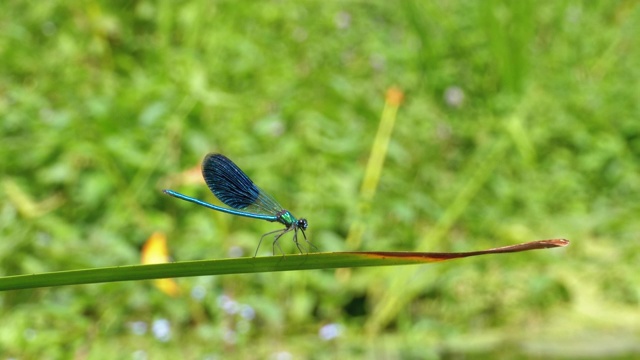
102, 103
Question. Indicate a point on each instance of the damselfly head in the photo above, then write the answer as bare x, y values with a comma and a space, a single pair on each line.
302, 224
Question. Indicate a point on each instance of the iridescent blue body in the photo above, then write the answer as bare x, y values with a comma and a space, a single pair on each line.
234, 188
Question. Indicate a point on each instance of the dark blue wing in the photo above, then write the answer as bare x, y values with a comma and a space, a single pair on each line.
234, 188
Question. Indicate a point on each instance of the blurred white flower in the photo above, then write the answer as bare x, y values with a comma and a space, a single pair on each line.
162, 329
454, 96
343, 20
247, 312
139, 355
330, 331
282, 355
138, 327
228, 305
198, 292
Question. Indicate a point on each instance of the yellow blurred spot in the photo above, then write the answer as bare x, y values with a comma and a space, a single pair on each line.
394, 96
155, 251
167, 286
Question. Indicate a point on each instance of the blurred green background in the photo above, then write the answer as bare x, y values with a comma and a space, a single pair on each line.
521, 122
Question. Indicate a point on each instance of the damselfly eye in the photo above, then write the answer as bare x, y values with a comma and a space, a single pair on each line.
302, 224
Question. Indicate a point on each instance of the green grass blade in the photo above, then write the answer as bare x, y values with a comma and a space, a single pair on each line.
312, 261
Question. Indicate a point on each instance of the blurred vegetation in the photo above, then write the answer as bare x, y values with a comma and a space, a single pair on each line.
520, 122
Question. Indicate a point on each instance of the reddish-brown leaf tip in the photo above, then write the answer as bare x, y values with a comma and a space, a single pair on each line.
434, 256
